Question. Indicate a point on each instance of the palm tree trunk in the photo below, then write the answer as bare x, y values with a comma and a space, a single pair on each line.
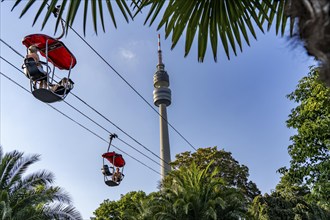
313, 29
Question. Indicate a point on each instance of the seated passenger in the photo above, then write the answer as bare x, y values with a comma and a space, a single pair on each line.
63, 87
33, 53
116, 177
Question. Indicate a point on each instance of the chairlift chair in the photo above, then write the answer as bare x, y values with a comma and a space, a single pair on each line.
117, 162
55, 53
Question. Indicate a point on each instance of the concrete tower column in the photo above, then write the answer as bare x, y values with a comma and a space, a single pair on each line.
164, 141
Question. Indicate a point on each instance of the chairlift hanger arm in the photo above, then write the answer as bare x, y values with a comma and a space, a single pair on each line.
112, 136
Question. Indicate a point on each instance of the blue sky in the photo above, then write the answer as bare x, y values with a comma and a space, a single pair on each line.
238, 105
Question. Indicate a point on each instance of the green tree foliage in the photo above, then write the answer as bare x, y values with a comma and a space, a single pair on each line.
196, 189
194, 193
30, 196
129, 205
278, 207
310, 148
234, 174
304, 190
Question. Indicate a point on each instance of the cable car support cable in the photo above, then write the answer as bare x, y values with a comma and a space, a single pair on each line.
100, 114
96, 122
139, 94
95, 134
84, 102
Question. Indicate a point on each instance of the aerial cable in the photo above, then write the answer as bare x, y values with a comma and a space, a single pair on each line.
139, 94
110, 132
12, 48
120, 76
13, 81
95, 121
84, 102
136, 141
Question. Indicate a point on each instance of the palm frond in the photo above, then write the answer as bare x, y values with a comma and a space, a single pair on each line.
21, 165
31, 196
226, 19
60, 211
276, 8
72, 10
7, 163
37, 178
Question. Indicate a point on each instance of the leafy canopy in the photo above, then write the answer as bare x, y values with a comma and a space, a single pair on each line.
233, 173
277, 206
125, 207
310, 148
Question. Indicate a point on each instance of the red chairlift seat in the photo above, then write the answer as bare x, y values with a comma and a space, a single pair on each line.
58, 53
117, 161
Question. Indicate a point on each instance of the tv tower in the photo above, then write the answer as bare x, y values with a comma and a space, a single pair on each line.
162, 99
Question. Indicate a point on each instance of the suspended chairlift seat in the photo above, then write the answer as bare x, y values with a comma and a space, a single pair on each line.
56, 53
117, 161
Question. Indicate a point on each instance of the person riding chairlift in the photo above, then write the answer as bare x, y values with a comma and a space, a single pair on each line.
33, 53
116, 177
63, 87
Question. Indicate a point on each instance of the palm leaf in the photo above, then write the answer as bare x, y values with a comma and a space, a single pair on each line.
276, 8
124, 8
240, 23
85, 16
157, 10
178, 29
232, 16
28, 5
8, 162
39, 11
16, 3
101, 14
279, 15
60, 13
19, 168
191, 30
213, 32
203, 33
111, 12
94, 14
60, 211
49, 12
73, 8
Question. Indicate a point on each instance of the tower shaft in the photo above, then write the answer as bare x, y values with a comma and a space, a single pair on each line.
165, 154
